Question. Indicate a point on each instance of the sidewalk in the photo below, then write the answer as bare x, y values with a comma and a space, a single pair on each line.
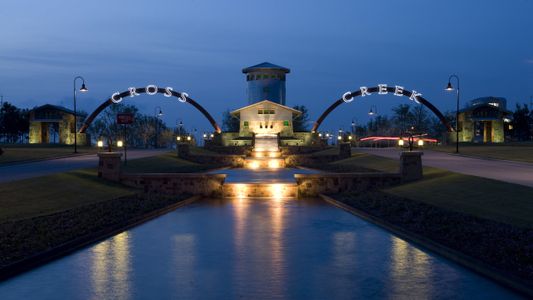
502, 170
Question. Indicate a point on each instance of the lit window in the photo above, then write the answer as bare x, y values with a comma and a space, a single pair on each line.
260, 112
245, 124
286, 123
272, 112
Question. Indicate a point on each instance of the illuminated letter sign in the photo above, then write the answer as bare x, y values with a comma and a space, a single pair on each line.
382, 89
116, 98
183, 97
398, 90
414, 96
168, 92
151, 89
364, 91
347, 97
133, 92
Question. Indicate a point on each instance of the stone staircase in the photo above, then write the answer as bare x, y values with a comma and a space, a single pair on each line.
265, 154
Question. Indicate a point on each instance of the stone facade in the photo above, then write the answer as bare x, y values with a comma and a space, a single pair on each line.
221, 160
49, 120
311, 185
208, 185
483, 121
411, 165
109, 165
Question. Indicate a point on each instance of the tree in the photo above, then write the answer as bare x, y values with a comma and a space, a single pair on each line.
420, 120
300, 123
229, 122
521, 121
402, 117
14, 122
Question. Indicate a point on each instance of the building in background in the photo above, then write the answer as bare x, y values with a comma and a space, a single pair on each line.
266, 113
484, 120
266, 81
49, 122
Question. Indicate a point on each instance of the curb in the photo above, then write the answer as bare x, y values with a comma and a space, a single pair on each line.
474, 264
62, 250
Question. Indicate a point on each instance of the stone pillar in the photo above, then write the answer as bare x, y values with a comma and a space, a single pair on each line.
109, 165
184, 150
411, 165
345, 150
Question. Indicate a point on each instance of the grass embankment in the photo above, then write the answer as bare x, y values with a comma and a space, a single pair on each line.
522, 152
17, 153
481, 197
53, 193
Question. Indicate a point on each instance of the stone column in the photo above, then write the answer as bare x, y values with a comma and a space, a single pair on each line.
184, 150
109, 165
345, 150
411, 165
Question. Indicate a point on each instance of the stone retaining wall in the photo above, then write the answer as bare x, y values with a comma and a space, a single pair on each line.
311, 185
176, 183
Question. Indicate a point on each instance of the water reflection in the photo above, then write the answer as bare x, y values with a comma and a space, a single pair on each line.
110, 269
409, 264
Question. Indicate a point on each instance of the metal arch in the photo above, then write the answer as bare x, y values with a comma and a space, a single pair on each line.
108, 102
405, 93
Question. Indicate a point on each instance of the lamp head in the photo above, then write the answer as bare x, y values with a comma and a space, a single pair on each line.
83, 88
449, 87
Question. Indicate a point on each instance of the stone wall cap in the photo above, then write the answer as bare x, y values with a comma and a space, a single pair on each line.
411, 153
172, 175
109, 154
354, 175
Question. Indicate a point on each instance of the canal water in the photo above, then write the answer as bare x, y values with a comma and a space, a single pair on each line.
253, 249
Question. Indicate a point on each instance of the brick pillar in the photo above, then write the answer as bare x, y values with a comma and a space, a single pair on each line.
411, 165
345, 150
184, 150
109, 165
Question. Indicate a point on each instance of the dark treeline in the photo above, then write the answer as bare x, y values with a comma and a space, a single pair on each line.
14, 124
145, 131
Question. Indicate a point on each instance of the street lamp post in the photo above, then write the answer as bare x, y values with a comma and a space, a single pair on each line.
157, 116
449, 87
83, 89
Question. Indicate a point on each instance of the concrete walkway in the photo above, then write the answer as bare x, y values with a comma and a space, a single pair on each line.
502, 170
52, 166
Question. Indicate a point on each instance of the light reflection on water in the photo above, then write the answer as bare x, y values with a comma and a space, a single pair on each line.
252, 249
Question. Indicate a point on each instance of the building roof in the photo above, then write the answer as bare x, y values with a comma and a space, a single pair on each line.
57, 107
294, 111
265, 66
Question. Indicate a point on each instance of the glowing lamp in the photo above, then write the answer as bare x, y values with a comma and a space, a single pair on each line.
83, 88
120, 143
320, 135
273, 164
420, 142
178, 138
350, 137
189, 138
212, 135
449, 87
100, 144
205, 135
400, 142
339, 138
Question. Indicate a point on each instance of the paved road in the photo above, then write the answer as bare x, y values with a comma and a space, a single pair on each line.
502, 170
47, 167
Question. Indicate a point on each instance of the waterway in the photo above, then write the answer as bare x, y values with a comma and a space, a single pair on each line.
253, 249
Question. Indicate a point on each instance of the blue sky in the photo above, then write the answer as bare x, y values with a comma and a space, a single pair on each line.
201, 46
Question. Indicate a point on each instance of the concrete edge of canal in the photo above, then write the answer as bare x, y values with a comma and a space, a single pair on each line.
453, 255
62, 250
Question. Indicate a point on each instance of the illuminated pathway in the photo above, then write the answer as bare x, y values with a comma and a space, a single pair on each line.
502, 170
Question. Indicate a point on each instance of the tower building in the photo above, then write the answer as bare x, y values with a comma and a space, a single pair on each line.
266, 81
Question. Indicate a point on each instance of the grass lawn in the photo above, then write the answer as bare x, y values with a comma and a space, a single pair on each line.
481, 197
14, 153
508, 151
165, 163
53, 193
